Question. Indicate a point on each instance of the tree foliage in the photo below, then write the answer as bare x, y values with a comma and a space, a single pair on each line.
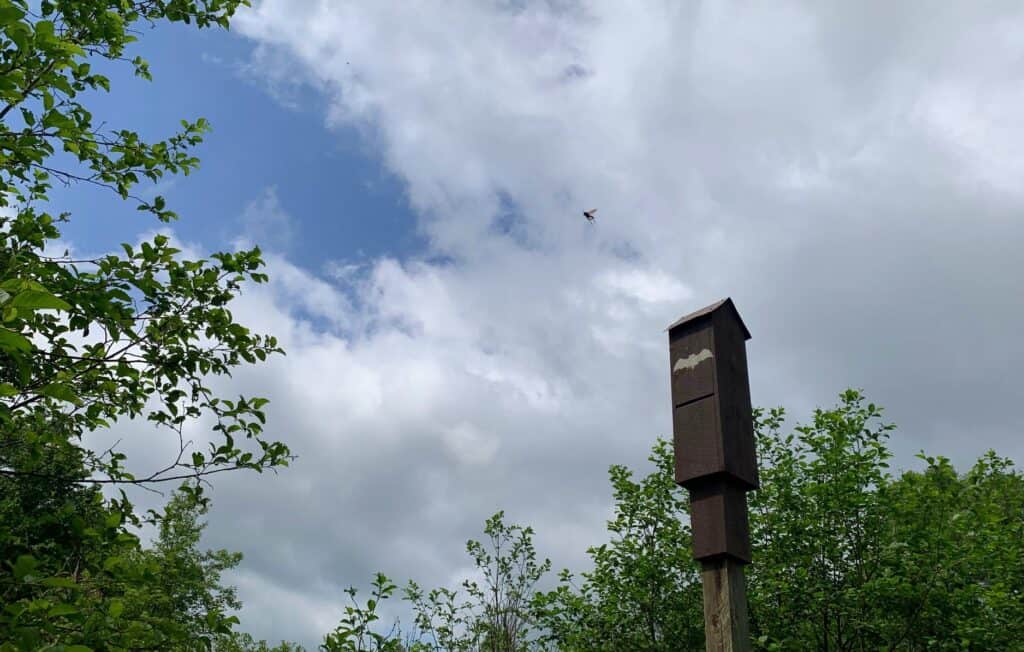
817, 524
495, 615
184, 586
492, 614
643, 592
848, 557
242, 642
86, 343
356, 630
846, 554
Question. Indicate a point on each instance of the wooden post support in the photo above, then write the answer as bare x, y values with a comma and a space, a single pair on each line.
713, 433
725, 606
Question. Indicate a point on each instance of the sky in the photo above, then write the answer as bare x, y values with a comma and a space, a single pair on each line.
461, 340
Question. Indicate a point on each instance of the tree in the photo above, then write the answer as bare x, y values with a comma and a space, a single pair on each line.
107, 591
644, 590
953, 575
493, 615
240, 642
184, 587
355, 631
65, 555
847, 556
817, 525
85, 343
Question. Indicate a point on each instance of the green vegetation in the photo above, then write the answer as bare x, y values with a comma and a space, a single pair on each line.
846, 557
85, 344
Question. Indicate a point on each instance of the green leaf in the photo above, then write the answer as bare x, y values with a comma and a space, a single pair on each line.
24, 566
111, 563
61, 392
7, 389
62, 609
11, 341
10, 13
20, 33
37, 300
60, 583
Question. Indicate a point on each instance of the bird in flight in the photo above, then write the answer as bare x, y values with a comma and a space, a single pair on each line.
590, 215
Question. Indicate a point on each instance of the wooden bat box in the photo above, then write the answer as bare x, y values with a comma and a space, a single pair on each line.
711, 414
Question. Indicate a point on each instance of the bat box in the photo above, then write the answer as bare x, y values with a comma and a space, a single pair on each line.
712, 422
718, 521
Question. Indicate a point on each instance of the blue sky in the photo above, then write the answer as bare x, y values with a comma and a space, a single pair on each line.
342, 204
847, 173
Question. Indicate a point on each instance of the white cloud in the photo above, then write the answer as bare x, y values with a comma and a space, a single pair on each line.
470, 445
265, 221
846, 173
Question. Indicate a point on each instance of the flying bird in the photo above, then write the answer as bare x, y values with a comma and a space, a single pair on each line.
590, 215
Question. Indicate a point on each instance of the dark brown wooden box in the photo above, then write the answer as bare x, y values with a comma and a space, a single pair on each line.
718, 520
711, 417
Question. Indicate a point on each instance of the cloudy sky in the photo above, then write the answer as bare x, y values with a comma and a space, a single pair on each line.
460, 340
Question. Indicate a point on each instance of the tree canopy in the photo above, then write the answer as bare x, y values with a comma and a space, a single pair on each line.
846, 555
134, 334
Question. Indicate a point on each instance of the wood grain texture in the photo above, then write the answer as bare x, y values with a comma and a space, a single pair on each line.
725, 606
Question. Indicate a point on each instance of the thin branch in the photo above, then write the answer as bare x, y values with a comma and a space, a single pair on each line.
28, 89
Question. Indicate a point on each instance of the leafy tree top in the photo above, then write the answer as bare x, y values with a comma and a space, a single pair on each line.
137, 333
134, 333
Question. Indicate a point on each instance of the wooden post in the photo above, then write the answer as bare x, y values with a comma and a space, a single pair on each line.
725, 606
715, 460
